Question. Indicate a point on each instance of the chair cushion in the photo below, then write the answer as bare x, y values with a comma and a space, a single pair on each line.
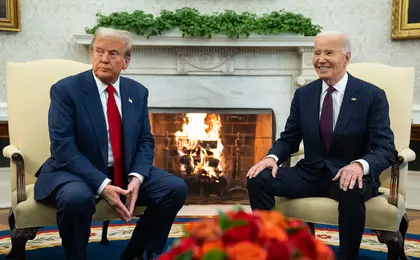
380, 215
31, 213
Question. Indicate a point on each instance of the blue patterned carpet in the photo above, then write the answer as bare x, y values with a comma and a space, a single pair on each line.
47, 244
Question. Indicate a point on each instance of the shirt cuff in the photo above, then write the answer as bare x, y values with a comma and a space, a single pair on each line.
139, 176
102, 187
365, 166
273, 156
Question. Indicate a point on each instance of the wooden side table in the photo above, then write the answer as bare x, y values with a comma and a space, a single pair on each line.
415, 132
415, 146
4, 130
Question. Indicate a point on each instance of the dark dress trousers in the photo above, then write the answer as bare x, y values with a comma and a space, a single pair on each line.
78, 165
362, 131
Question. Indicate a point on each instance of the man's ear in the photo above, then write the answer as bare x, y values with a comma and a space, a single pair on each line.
126, 62
348, 57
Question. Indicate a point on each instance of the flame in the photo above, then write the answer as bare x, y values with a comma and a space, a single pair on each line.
200, 146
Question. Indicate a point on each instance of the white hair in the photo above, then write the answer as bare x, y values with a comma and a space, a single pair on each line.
121, 35
346, 39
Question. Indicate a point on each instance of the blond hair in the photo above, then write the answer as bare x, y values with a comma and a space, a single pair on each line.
121, 35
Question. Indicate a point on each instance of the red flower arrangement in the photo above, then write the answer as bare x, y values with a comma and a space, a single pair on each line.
237, 235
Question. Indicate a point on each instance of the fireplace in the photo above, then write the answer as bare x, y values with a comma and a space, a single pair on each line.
247, 84
212, 149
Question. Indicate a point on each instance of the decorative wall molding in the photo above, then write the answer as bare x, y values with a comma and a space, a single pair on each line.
3, 111
299, 80
416, 114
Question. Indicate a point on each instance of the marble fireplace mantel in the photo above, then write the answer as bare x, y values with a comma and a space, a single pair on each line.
248, 73
218, 53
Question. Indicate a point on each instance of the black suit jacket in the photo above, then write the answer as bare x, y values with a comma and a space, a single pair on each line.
362, 130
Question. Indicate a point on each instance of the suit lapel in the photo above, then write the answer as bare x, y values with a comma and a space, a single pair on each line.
128, 115
94, 109
350, 100
314, 109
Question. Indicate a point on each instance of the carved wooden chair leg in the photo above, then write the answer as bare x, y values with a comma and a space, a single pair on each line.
403, 230
11, 220
19, 238
394, 242
104, 238
311, 227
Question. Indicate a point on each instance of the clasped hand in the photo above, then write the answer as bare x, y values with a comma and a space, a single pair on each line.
348, 176
112, 194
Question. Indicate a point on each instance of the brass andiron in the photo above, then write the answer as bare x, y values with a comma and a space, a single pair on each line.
165, 152
236, 183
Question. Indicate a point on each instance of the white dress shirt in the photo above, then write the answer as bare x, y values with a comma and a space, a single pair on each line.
103, 94
337, 99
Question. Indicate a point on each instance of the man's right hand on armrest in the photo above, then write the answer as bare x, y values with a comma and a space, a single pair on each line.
268, 162
111, 194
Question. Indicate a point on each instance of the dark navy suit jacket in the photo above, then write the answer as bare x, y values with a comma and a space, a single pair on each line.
362, 130
79, 141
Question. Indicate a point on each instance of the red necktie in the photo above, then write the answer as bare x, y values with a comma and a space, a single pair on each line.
326, 120
115, 134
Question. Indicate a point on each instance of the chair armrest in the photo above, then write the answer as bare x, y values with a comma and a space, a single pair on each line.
16, 157
10, 150
406, 155
288, 162
300, 152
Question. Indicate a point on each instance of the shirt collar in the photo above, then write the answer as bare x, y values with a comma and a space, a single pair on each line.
340, 86
102, 87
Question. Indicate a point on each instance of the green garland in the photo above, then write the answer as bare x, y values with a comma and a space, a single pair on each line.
191, 23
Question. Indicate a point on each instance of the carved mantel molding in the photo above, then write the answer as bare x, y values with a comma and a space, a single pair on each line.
216, 41
196, 55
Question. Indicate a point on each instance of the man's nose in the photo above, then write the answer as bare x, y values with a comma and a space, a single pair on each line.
105, 58
321, 58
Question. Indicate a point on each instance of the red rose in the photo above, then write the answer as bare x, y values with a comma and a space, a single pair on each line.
304, 242
278, 249
242, 215
237, 234
243, 232
294, 224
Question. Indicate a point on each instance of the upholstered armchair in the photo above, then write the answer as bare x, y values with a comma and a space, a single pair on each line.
385, 214
28, 85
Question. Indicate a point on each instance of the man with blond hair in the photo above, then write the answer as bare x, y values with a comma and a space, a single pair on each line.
345, 127
102, 148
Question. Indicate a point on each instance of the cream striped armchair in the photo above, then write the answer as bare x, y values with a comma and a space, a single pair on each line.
385, 214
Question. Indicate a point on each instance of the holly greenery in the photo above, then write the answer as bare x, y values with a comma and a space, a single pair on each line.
191, 22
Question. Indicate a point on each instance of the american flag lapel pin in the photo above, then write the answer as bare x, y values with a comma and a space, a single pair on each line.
129, 100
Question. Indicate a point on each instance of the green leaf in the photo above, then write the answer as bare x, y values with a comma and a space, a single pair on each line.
185, 256
215, 254
191, 23
297, 254
226, 223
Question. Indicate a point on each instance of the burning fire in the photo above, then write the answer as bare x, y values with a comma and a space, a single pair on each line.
200, 146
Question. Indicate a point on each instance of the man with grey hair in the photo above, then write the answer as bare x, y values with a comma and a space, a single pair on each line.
345, 127
102, 148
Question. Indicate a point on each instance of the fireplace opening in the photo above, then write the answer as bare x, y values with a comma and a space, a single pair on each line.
212, 149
